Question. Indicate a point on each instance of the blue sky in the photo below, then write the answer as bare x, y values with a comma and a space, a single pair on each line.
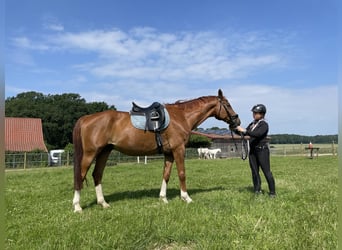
279, 53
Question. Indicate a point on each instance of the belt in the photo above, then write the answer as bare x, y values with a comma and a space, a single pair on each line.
261, 147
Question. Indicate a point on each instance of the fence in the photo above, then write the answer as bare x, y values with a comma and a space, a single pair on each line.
302, 150
34, 160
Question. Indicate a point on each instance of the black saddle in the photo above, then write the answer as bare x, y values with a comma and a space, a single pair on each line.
155, 115
136, 108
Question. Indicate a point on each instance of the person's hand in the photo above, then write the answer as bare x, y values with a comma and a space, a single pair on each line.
240, 129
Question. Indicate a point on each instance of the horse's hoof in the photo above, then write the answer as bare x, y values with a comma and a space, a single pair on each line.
164, 199
104, 204
185, 196
78, 209
186, 199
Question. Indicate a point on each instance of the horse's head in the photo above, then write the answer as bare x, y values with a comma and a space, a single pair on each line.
226, 113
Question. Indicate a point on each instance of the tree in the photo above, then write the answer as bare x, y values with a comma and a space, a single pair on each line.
59, 113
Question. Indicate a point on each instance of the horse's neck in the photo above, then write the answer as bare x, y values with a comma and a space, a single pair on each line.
199, 111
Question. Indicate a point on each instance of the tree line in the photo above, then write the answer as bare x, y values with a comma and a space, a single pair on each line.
296, 139
60, 112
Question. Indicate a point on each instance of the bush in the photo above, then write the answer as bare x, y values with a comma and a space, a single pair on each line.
197, 141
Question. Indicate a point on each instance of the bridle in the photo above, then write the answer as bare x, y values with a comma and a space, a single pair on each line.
232, 119
232, 125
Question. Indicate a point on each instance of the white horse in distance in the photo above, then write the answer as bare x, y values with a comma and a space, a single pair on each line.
213, 152
202, 153
206, 153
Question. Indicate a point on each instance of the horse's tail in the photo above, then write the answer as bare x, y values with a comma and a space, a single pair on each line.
78, 155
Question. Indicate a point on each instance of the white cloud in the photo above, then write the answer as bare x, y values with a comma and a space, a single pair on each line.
102, 42
54, 27
145, 65
144, 53
51, 23
26, 43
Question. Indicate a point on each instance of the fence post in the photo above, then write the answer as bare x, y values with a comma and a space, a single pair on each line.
302, 149
24, 160
68, 155
333, 148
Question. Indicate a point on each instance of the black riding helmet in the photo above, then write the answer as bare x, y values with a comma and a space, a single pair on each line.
259, 108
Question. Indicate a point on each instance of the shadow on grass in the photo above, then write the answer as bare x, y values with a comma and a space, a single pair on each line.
248, 189
145, 193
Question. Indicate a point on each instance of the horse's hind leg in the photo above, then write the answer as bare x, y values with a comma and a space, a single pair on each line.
84, 167
101, 160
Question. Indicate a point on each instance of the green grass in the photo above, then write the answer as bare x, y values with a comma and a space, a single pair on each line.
224, 214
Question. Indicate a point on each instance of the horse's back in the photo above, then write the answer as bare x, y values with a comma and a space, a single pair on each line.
101, 119
103, 115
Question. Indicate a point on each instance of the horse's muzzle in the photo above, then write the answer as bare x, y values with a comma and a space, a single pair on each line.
234, 122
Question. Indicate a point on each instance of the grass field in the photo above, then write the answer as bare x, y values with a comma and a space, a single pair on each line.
225, 213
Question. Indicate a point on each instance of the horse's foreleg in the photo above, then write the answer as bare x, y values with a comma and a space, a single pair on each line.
162, 194
168, 161
179, 158
99, 196
101, 160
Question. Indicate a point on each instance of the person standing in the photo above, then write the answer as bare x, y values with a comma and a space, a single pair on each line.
259, 154
311, 150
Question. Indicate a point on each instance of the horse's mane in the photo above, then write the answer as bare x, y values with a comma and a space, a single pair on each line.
190, 103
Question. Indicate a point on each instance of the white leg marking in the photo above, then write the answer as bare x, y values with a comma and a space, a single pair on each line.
185, 197
162, 193
76, 201
99, 196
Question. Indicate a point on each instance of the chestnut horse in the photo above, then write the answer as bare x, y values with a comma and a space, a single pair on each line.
95, 135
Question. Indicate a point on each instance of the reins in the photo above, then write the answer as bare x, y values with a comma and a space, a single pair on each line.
244, 146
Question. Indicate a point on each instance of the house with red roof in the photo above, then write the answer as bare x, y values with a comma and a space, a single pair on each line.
24, 135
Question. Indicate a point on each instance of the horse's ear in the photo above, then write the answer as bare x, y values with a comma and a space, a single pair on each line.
220, 94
